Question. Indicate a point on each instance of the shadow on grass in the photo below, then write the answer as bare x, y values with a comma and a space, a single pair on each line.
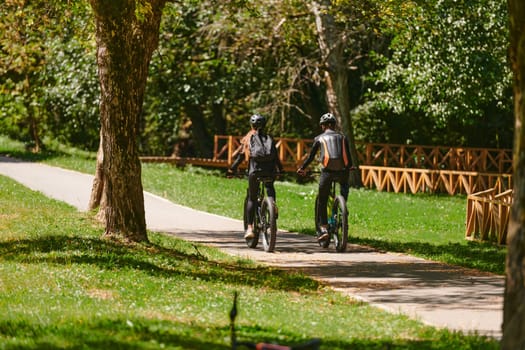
115, 334
149, 258
141, 333
31, 156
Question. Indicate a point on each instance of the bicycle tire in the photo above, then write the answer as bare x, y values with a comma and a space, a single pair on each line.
268, 224
340, 232
250, 242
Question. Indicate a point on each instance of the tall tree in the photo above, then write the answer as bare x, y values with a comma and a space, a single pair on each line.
127, 33
514, 304
333, 39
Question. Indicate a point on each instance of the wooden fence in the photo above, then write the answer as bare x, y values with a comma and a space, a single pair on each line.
408, 180
488, 215
390, 167
390, 155
484, 160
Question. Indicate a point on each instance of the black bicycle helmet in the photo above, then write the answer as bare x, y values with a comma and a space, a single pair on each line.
327, 118
257, 121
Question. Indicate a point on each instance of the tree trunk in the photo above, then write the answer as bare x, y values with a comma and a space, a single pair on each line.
331, 44
514, 304
126, 37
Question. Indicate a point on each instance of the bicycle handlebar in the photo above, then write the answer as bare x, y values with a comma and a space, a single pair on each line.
311, 172
241, 175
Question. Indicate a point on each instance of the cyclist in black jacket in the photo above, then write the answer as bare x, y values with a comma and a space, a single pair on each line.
335, 165
256, 169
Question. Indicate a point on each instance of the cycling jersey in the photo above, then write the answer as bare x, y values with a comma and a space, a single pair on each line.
334, 151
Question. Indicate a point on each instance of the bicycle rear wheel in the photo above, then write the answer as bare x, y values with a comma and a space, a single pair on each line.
268, 224
250, 242
340, 226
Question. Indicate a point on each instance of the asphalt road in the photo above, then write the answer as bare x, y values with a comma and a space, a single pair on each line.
436, 294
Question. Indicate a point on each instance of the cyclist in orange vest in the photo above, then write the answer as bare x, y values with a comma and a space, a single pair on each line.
335, 165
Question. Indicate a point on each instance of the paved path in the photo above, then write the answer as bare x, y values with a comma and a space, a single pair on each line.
436, 294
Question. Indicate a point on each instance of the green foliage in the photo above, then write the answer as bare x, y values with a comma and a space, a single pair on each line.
22, 57
143, 9
445, 79
219, 63
72, 95
443, 75
50, 89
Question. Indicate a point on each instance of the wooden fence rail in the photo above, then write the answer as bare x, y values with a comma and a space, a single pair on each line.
409, 180
387, 167
438, 158
293, 151
488, 215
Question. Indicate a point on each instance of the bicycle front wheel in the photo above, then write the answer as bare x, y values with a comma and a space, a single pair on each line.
268, 224
340, 228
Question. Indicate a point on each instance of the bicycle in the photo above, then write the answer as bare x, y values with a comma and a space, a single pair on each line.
337, 220
265, 220
313, 344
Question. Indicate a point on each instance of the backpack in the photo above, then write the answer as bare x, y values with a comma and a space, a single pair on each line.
262, 148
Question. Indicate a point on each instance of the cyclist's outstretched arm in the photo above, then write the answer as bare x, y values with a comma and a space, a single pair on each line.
310, 158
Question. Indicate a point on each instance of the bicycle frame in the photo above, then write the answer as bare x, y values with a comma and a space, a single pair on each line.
337, 213
332, 220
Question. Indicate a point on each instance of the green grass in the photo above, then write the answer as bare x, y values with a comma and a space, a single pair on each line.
64, 287
428, 226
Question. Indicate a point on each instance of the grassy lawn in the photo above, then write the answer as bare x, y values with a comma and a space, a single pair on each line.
63, 287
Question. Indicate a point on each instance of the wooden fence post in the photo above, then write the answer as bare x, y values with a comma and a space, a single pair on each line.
230, 149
